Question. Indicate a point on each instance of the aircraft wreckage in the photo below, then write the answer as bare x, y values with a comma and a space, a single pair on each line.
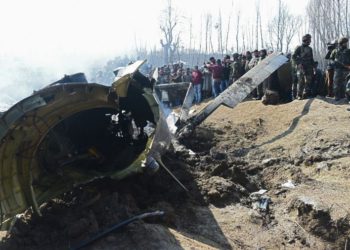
72, 132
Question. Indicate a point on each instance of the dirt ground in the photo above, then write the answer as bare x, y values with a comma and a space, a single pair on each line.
259, 177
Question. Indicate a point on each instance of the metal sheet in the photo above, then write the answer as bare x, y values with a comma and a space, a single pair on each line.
12, 115
130, 69
240, 89
155, 74
121, 81
187, 104
173, 85
32, 103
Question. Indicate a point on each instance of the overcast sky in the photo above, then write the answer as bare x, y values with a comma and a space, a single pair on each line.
68, 35
49, 30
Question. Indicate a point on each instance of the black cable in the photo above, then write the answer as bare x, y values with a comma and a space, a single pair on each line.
115, 227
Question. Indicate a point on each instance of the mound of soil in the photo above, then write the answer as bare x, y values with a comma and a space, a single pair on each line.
259, 177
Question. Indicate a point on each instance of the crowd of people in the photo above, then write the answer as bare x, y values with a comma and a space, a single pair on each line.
306, 78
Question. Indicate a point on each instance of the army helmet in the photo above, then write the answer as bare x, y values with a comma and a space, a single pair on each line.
343, 40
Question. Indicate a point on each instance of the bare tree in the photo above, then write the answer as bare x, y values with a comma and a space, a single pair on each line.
276, 27
282, 28
261, 31
237, 29
190, 37
328, 20
218, 27
228, 28
169, 23
347, 18
243, 42
208, 32
291, 27
257, 9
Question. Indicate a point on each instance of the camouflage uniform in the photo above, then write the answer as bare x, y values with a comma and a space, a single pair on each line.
253, 62
341, 59
347, 88
236, 68
330, 68
304, 60
294, 80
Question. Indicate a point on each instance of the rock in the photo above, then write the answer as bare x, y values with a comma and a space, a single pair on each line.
255, 217
269, 161
213, 194
291, 241
280, 191
270, 98
322, 166
220, 190
298, 161
313, 158
217, 155
218, 169
288, 184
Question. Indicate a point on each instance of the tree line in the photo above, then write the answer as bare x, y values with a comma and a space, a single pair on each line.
218, 35
325, 20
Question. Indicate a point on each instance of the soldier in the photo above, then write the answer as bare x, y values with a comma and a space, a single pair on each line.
295, 80
318, 84
225, 76
341, 60
347, 89
243, 60
304, 61
330, 68
248, 55
236, 68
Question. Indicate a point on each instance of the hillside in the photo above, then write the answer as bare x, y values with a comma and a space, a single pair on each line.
235, 155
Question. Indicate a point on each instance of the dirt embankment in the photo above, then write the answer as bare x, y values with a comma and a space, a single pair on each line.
241, 158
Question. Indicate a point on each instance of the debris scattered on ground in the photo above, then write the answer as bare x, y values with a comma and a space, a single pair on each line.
234, 166
288, 184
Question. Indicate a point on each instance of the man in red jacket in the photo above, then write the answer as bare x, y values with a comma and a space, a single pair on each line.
216, 71
197, 79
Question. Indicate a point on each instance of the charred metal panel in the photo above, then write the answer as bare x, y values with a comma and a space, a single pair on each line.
173, 86
240, 89
124, 75
67, 134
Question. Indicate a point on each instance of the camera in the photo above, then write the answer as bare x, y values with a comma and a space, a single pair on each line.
331, 46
